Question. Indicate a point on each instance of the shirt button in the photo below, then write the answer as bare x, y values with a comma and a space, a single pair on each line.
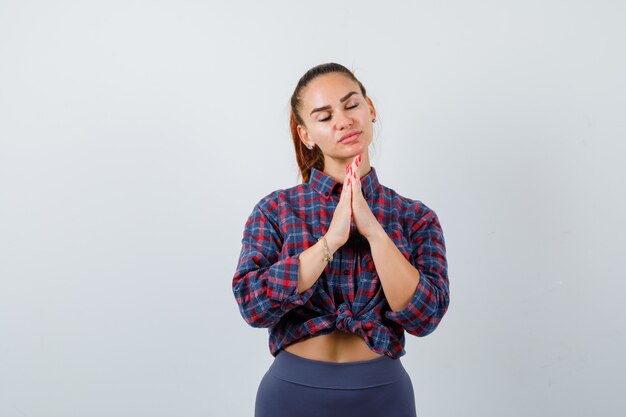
346, 272
326, 193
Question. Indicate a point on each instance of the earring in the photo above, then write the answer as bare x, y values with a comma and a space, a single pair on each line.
374, 120
309, 146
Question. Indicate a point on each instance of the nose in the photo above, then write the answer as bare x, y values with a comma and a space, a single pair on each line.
343, 121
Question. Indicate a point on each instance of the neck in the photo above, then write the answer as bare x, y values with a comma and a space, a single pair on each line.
336, 168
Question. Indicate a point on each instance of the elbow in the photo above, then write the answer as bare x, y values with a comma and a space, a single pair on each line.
258, 322
255, 316
428, 325
425, 329
256, 310
260, 319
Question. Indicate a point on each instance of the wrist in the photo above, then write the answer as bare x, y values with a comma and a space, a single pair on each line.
377, 236
332, 244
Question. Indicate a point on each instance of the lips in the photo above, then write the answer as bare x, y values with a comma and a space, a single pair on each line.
350, 136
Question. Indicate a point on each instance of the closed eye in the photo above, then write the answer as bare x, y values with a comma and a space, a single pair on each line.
328, 118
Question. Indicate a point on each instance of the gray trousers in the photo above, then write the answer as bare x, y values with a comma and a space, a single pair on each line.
296, 386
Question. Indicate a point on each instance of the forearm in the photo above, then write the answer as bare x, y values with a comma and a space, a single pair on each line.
398, 277
312, 264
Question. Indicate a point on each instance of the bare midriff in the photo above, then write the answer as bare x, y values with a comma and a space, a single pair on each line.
337, 346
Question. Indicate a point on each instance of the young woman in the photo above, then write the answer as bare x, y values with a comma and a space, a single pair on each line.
339, 266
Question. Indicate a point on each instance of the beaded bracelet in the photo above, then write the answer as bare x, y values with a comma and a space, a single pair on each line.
327, 257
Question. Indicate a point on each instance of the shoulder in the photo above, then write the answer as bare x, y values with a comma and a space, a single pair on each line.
272, 203
413, 211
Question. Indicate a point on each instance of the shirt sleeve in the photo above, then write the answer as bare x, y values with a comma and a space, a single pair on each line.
432, 296
266, 287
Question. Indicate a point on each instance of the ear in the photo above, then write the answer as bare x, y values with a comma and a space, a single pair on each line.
371, 106
303, 134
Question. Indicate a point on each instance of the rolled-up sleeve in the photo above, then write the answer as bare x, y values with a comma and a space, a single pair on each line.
432, 295
265, 285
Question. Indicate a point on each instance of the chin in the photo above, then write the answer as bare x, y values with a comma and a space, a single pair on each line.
357, 148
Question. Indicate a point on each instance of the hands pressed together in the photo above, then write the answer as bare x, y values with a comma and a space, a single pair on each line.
352, 204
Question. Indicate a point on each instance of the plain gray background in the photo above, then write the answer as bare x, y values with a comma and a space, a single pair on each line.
136, 136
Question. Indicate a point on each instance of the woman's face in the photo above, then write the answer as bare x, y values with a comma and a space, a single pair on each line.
333, 107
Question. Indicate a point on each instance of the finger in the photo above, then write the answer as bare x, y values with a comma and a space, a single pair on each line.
355, 181
356, 178
345, 190
353, 166
348, 174
352, 174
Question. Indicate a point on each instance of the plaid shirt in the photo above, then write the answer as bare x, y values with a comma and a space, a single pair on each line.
348, 295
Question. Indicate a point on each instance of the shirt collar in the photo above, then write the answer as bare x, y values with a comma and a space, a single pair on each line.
327, 186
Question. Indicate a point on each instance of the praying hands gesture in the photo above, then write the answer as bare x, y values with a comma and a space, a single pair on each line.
352, 204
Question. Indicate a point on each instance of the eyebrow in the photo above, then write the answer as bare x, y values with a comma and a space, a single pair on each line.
342, 99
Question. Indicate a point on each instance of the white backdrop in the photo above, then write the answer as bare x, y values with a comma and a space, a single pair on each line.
135, 137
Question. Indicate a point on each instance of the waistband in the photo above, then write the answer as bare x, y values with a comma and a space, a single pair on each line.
337, 375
